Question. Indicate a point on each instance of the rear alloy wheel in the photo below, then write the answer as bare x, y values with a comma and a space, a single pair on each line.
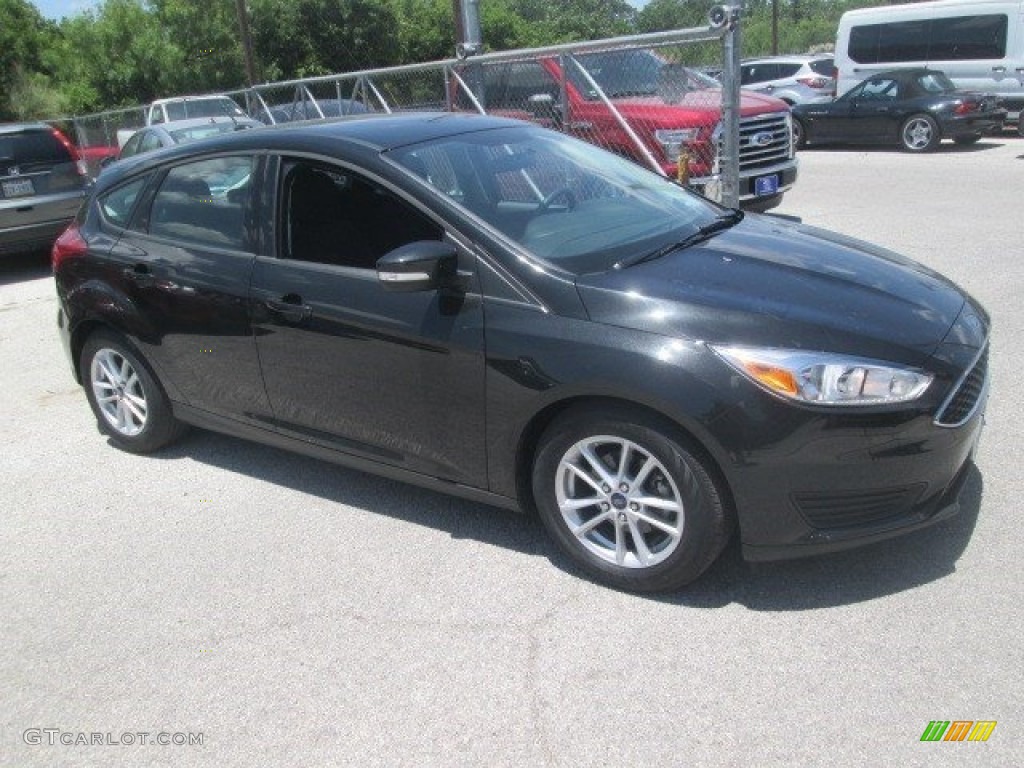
628, 503
129, 404
920, 133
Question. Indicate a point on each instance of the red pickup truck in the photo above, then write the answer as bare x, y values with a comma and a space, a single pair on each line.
637, 104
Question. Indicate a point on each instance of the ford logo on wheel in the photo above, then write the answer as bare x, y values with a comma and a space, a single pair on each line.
762, 139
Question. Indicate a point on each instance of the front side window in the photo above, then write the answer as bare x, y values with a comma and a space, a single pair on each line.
571, 204
880, 89
205, 203
131, 147
334, 216
149, 142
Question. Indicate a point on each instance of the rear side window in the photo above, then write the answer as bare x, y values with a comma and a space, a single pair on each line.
826, 67
31, 148
948, 39
787, 70
205, 203
118, 204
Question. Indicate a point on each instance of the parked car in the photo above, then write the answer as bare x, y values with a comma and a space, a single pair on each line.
178, 108
670, 110
309, 110
179, 131
912, 108
794, 79
43, 182
491, 309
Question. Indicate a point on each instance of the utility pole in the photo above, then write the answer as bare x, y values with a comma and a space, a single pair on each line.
469, 43
243, 28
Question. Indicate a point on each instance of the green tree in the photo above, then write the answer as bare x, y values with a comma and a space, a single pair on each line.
24, 37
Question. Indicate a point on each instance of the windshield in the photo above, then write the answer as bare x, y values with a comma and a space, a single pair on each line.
571, 204
634, 73
201, 131
212, 107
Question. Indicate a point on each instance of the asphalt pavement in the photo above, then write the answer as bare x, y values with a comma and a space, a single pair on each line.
268, 609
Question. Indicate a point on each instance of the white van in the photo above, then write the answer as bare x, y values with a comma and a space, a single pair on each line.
979, 44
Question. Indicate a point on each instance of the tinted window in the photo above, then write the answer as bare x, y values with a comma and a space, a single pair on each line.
786, 70
118, 204
150, 141
826, 67
935, 82
960, 37
333, 216
131, 146
968, 37
32, 147
204, 202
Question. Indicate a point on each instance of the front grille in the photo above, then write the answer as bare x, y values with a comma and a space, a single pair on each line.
847, 509
764, 141
960, 406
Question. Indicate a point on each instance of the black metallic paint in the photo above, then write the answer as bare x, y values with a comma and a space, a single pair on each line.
450, 389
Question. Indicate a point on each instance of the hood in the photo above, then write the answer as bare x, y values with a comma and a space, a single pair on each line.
668, 105
770, 282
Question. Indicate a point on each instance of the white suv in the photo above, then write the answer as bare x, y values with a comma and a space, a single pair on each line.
794, 79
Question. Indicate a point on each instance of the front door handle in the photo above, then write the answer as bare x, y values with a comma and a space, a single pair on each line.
290, 309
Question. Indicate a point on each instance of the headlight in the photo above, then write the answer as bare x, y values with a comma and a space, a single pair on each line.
673, 140
825, 379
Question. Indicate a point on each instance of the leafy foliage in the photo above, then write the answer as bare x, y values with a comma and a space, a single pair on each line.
131, 51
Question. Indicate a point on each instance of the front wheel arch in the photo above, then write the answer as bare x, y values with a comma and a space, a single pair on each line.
529, 441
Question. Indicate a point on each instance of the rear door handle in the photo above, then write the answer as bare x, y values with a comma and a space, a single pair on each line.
290, 309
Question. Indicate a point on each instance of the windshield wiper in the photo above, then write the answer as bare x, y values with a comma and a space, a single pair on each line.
718, 224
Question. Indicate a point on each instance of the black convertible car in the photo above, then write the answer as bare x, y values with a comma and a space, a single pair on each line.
915, 108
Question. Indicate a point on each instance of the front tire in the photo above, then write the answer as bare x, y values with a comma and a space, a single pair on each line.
628, 500
799, 134
920, 133
130, 405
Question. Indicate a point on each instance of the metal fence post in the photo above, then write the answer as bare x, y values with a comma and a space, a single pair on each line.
729, 157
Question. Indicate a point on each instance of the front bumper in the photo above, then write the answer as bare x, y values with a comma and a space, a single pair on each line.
853, 482
784, 173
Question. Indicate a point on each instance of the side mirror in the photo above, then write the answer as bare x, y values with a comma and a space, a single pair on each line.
421, 266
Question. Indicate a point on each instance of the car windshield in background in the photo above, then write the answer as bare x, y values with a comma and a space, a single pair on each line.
576, 207
181, 110
201, 131
634, 73
936, 82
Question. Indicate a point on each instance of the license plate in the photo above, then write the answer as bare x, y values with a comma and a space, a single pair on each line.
766, 185
18, 188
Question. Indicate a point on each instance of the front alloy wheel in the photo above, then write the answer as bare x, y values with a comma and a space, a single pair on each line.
628, 499
619, 502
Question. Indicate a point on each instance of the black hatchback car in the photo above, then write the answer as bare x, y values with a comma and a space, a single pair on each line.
913, 108
499, 311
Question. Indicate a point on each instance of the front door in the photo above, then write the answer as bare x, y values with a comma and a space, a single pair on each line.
394, 377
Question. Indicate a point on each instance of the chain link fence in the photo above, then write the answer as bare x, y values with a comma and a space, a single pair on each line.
652, 98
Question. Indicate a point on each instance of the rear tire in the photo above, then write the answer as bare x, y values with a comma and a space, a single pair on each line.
920, 133
130, 405
628, 500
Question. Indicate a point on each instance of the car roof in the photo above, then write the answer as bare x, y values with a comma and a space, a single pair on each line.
19, 127
801, 57
373, 131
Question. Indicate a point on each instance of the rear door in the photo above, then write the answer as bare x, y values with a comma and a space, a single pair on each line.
185, 262
396, 378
